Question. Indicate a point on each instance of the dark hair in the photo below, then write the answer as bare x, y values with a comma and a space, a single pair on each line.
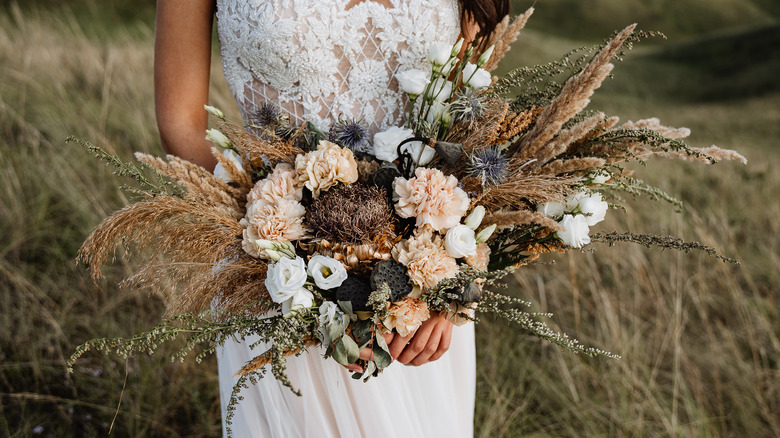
485, 13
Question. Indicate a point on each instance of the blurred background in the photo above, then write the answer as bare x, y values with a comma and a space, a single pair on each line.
699, 339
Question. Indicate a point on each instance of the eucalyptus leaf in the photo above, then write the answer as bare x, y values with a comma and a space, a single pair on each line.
346, 307
370, 369
350, 347
381, 355
340, 352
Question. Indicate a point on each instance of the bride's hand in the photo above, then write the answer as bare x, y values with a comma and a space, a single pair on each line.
427, 344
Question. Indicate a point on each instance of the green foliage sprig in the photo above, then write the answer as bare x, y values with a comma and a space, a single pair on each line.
146, 187
650, 240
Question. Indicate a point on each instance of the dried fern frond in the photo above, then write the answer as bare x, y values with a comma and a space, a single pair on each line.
566, 138
574, 97
520, 217
523, 188
200, 184
503, 41
573, 165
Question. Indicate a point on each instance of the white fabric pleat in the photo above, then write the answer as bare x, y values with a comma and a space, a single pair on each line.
433, 400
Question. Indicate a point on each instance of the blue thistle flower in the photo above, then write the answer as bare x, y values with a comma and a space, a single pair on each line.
350, 134
267, 115
467, 108
489, 164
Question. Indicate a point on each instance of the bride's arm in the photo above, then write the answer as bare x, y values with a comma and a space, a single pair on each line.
182, 61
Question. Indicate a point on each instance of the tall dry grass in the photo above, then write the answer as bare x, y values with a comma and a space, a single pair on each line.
699, 339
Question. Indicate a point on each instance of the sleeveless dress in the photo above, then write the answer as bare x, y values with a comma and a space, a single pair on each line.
318, 61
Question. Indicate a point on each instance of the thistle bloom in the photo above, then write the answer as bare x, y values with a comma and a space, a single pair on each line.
350, 134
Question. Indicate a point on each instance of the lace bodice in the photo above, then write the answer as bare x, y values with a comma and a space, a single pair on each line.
320, 61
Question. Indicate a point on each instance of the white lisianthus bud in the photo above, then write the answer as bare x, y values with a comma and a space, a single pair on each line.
216, 112
265, 244
456, 48
413, 82
594, 208
474, 219
575, 232
485, 234
551, 209
328, 273
273, 255
218, 138
600, 177
460, 242
285, 278
441, 89
222, 173
439, 53
485, 56
476, 78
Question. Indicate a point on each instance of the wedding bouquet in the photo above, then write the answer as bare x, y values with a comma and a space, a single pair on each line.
308, 235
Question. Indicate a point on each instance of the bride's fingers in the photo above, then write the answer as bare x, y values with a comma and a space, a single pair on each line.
418, 342
398, 344
431, 347
444, 342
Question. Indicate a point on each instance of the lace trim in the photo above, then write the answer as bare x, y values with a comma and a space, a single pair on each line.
318, 61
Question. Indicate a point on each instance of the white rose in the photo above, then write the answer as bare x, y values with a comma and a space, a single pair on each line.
476, 78
441, 89
573, 201
328, 273
460, 241
594, 208
222, 173
386, 145
285, 278
439, 53
575, 233
413, 82
300, 299
551, 209
218, 138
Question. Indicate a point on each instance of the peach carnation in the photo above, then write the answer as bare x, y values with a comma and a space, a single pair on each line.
481, 259
406, 316
322, 169
432, 198
281, 184
425, 258
280, 222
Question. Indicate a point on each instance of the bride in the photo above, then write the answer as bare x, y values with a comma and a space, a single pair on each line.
319, 60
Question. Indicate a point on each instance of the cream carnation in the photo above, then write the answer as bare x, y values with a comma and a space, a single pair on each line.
281, 184
281, 222
432, 198
425, 258
480, 259
406, 316
322, 169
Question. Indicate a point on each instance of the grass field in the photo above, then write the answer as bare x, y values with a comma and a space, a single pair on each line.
699, 339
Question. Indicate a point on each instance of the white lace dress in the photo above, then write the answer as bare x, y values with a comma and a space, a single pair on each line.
318, 61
